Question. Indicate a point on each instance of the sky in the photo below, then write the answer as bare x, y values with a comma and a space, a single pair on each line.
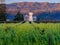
50, 1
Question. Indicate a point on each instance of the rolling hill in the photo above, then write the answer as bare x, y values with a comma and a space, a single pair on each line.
35, 7
43, 10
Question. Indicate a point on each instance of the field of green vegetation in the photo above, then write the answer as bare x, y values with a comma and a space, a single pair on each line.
30, 34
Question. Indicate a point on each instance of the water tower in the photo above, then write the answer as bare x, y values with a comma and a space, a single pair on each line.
30, 16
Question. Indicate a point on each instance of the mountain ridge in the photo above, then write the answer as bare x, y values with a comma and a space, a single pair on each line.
35, 7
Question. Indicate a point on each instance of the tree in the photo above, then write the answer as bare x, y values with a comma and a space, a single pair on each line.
2, 16
19, 17
2, 12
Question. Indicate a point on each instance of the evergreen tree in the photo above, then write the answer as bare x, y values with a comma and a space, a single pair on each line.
2, 12
2, 16
19, 17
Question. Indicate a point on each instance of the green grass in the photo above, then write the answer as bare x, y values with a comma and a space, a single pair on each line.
30, 34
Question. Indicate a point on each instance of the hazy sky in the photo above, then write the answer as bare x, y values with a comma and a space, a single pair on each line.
51, 1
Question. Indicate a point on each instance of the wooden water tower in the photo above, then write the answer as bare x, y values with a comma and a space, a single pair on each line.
31, 16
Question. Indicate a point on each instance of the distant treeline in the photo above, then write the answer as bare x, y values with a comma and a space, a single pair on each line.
41, 17
49, 16
18, 17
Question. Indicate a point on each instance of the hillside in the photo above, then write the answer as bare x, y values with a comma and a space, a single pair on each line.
43, 10
35, 7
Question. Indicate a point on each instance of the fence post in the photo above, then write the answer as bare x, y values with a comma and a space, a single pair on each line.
49, 39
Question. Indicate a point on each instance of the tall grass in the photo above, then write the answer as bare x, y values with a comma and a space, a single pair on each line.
30, 34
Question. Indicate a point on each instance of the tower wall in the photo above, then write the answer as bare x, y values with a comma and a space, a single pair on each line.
30, 16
